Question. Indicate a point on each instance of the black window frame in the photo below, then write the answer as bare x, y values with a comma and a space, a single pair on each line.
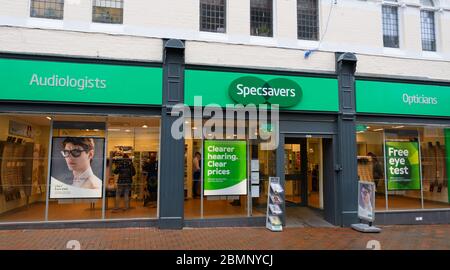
44, 8
428, 26
97, 18
308, 20
213, 16
263, 27
390, 26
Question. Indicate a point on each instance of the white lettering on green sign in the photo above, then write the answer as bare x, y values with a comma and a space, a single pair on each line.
264, 91
253, 90
67, 81
416, 99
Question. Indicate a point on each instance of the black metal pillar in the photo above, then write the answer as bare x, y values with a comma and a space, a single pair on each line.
346, 166
171, 163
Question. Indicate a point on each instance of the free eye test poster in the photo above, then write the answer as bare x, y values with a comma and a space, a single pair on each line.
402, 165
76, 170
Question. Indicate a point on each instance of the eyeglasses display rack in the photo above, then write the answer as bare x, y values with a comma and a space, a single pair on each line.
274, 205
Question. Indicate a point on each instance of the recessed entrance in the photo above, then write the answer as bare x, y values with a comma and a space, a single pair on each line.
304, 181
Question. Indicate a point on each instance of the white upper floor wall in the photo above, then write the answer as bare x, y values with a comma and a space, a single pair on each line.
344, 25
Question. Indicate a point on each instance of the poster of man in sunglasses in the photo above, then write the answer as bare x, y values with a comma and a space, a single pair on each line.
77, 168
366, 201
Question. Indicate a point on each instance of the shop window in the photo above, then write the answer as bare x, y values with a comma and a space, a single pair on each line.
92, 159
213, 16
23, 167
107, 11
257, 163
132, 141
307, 19
49, 9
261, 18
390, 25
409, 165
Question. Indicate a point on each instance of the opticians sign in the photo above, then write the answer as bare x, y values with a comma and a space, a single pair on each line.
253, 90
402, 98
225, 167
293, 93
31, 80
402, 165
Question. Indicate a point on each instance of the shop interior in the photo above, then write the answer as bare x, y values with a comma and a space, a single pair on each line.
433, 157
24, 151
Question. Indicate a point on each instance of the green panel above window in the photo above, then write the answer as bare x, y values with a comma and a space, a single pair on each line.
45, 81
290, 92
402, 98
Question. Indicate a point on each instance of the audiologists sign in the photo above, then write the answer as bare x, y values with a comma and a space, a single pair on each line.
31, 80
402, 165
225, 167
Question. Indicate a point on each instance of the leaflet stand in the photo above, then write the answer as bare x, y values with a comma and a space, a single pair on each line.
274, 202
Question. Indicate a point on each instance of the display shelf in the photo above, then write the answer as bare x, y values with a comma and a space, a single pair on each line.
274, 205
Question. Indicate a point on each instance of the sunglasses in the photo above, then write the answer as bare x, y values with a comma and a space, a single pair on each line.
74, 152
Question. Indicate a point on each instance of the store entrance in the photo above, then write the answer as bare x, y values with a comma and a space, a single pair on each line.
303, 173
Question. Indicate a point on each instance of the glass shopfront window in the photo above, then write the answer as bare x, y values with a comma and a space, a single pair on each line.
258, 164
408, 163
24, 146
99, 167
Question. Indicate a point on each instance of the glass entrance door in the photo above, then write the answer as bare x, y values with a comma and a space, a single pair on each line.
295, 170
303, 172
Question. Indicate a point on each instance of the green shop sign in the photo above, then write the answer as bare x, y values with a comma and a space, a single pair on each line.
289, 92
225, 167
402, 165
253, 90
402, 98
31, 80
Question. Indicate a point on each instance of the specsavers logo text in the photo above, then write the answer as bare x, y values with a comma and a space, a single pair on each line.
68, 82
253, 90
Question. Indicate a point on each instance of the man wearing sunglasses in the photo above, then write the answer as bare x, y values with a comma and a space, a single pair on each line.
78, 153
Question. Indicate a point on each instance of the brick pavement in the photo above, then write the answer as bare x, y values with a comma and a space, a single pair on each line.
392, 237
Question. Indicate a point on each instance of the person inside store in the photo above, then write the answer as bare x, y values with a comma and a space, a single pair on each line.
377, 169
196, 168
151, 168
365, 201
126, 171
78, 153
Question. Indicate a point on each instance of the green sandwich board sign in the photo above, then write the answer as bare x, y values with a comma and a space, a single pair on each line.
32, 80
402, 165
225, 167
